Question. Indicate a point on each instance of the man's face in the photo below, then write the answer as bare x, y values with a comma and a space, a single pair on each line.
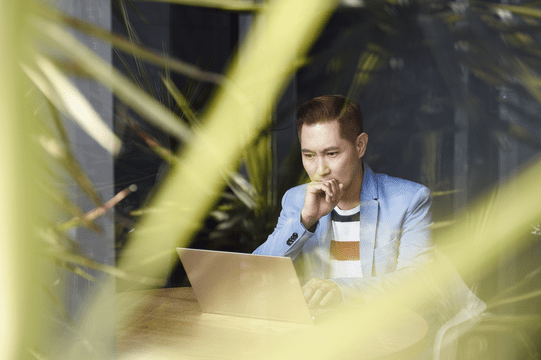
326, 155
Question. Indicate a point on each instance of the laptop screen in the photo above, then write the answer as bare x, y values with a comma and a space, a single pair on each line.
245, 285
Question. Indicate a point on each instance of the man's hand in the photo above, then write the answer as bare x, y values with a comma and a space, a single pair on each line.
321, 197
320, 293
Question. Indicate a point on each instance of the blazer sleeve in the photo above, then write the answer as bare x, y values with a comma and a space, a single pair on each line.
415, 253
289, 235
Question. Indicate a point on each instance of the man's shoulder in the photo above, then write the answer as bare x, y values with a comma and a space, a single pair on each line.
391, 186
296, 192
392, 181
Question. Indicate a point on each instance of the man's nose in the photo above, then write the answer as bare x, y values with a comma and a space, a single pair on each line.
322, 168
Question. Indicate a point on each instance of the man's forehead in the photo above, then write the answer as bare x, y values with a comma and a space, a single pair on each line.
323, 128
321, 136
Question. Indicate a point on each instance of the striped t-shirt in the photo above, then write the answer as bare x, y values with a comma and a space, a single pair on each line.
345, 259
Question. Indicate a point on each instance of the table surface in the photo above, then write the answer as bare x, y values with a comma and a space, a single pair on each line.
168, 323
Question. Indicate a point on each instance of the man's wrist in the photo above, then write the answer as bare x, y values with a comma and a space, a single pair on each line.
309, 223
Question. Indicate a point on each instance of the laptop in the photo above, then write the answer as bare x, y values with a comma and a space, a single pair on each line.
248, 285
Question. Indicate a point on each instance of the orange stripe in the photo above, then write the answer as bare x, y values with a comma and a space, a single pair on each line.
345, 250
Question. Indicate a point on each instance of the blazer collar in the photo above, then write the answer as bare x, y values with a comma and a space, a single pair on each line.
368, 220
369, 189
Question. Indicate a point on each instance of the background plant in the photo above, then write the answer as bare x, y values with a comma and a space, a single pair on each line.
248, 209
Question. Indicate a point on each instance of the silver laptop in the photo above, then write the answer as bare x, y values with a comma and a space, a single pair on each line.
246, 285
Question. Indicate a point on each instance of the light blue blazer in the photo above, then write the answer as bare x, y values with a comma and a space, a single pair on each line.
395, 240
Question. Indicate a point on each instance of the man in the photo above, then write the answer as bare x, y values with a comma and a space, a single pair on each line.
357, 234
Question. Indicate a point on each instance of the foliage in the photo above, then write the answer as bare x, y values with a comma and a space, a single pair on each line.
497, 44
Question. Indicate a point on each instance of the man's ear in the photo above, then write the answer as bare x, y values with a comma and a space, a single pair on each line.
360, 144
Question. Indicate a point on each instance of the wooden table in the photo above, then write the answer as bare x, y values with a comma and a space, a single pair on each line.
168, 324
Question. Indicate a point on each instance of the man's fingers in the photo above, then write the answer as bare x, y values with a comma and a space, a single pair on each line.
309, 288
308, 291
318, 293
316, 298
328, 191
327, 298
324, 189
332, 189
311, 292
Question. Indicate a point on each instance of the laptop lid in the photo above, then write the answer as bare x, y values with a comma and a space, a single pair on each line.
247, 285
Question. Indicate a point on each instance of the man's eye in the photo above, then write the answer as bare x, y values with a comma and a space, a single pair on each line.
332, 154
308, 156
